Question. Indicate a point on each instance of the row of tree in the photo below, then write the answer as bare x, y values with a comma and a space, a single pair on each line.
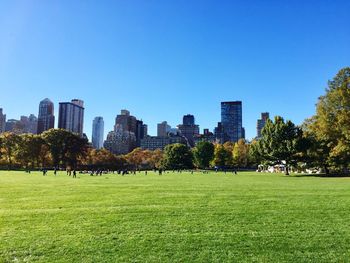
321, 141
60, 148
52, 148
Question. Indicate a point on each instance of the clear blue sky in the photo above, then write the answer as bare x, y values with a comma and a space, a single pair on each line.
163, 59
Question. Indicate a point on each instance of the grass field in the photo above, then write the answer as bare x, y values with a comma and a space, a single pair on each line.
247, 217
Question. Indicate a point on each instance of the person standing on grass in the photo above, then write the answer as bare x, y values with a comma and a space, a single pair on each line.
74, 174
55, 171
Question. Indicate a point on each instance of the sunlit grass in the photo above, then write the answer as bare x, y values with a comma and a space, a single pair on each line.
173, 218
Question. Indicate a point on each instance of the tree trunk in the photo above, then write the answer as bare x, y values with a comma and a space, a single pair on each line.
286, 170
326, 169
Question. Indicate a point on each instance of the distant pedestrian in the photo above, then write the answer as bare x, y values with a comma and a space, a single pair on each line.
74, 174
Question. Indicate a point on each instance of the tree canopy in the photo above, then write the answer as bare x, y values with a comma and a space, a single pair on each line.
203, 154
280, 143
177, 156
329, 128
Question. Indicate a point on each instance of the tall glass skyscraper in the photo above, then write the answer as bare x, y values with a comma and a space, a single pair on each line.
71, 116
97, 132
46, 117
231, 121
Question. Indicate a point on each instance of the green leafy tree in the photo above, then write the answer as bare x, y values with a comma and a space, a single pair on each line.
329, 128
177, 156
203, 154
318, 150
222, 156
254, 158
281, 142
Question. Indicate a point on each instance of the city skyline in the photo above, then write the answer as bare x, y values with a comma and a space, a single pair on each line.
171, 59
76, 122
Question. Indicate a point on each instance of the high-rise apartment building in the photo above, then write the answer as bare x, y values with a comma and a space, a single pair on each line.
127, 135
231, 121
125, 121
46, 117
97, 132
163, 129
2, 121
261, 123
71, 116
189, 129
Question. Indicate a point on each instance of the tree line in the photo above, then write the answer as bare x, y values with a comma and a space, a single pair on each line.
322, 141
58, 148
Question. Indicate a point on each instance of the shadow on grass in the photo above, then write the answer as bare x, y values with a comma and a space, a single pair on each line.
323, 175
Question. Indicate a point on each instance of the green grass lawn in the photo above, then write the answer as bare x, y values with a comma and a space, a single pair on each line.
248, 217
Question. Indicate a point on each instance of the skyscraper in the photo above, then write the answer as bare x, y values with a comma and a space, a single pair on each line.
127, 134
71, 116
97, 132
231, 121
141, 132
188, 119
261, 123
162, 129
188, 128
46, 117
2, 121
125, 121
